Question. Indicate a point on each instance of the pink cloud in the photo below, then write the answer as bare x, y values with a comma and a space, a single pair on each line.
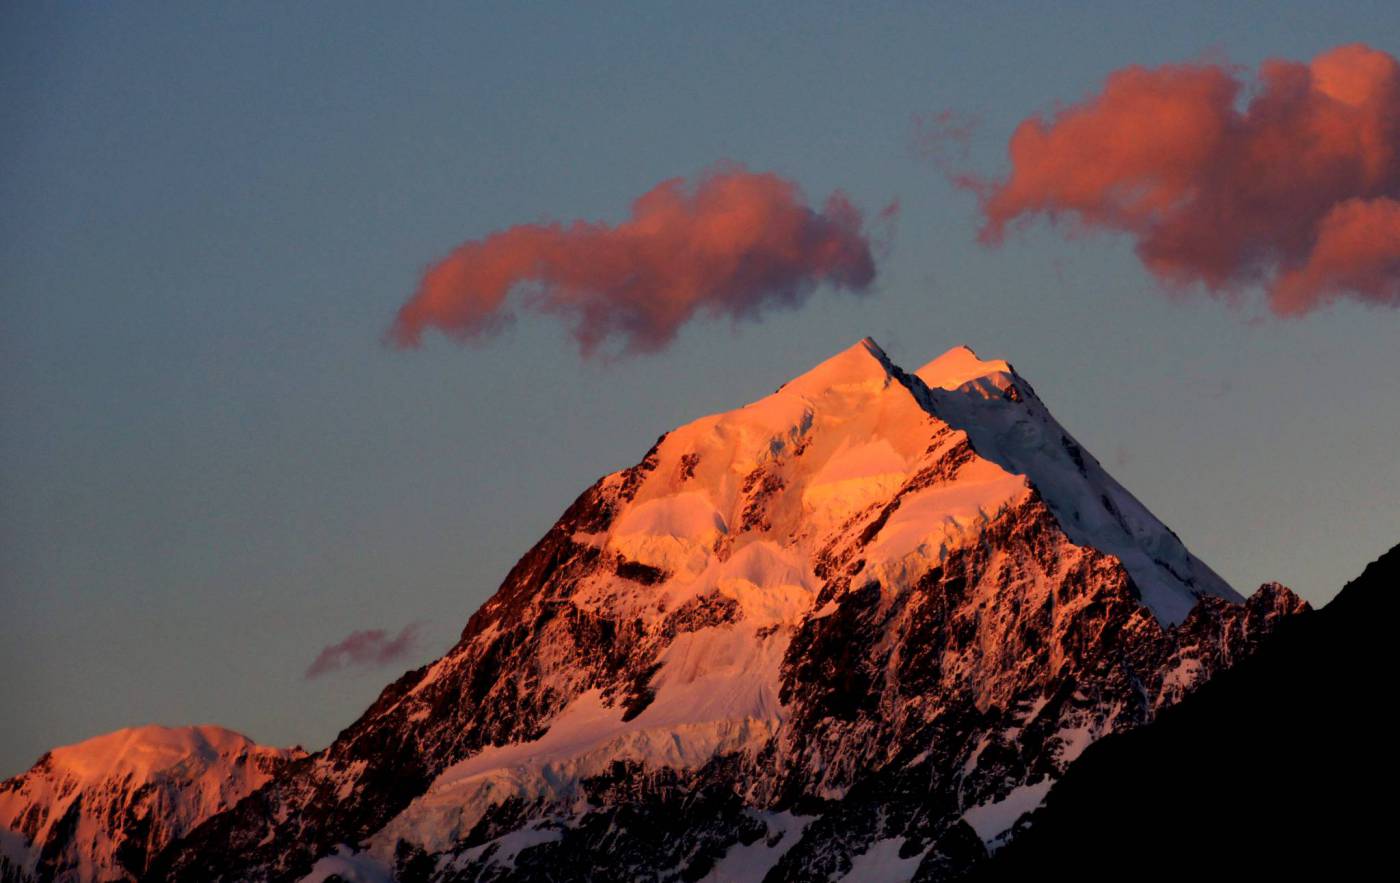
732, 244
1290, 181
372, 648
1357, 251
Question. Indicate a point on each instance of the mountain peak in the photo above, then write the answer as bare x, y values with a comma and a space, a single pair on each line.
960, 366
146, 750
863, 363
100, 809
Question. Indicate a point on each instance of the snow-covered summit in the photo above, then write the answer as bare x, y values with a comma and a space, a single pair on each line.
862, 426
960, 366
148, 751
862, 363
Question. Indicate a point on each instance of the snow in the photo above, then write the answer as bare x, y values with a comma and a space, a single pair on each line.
770, 583
350, 866
861, 369
507, 847
684, 516
721, 673
959, 368
881, 863
142, 752
856, 477
858, 429
1073, 741
991, 820
716, 693
938, 514
749, 864
673, 533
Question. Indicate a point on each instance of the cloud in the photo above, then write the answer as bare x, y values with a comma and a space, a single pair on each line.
1357, 250
1289, 181
372, 648
945, 138
734, 243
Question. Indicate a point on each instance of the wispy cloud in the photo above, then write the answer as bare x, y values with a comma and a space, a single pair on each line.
945, 138
372, 648
1288, 181
733, 244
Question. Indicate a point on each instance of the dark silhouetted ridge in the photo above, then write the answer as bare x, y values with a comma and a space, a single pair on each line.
1304, 793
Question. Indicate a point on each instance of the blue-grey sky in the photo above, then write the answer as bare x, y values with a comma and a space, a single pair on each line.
211, 466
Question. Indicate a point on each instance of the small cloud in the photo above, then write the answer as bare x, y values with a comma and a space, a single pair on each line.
732, 244
1289, 181
944, 137
372, 648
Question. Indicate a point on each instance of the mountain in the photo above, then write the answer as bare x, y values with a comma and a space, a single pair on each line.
1295, 792
101, 809
854, 629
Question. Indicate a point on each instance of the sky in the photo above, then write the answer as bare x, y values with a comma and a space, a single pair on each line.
230, 494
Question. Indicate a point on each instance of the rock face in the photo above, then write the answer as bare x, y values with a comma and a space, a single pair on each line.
854, 629
101, 809
1293, 800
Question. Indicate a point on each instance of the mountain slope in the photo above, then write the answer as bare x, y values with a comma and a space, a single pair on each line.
99, 810
853, 627
1294, 794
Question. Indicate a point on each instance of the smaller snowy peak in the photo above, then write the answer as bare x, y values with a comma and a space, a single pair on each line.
145, 752
960, 369
100, 809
